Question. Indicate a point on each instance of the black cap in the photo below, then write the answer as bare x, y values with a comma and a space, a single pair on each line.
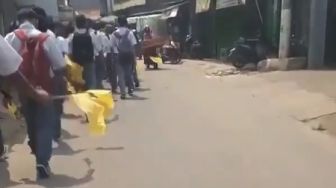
27, 13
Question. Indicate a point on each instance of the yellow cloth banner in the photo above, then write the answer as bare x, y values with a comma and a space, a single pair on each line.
13, 111
75, 72
157, 60
98, 105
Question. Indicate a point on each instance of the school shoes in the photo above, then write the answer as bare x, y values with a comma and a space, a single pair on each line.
43, 171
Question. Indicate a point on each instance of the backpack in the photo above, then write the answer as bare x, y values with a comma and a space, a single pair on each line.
124, 44
36, 65
82, 48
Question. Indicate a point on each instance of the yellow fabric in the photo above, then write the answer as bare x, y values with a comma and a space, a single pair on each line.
157, 60
98, 105
75, 72
13, 111
104, 98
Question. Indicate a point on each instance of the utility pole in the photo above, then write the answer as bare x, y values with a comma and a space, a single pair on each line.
317, 33
285, 28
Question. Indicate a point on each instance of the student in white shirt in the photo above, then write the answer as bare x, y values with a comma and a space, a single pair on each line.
123, 43
39, 118
99, 58
111, 59
10, 62
82, 50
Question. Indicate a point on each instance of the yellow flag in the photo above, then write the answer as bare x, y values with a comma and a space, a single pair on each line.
75, 72
98, 105
157, 60
13, 111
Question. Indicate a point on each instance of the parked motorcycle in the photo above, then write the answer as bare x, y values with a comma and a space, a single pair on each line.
247, 51
171, 53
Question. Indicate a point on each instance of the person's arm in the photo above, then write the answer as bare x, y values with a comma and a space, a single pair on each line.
23, 86
57, 63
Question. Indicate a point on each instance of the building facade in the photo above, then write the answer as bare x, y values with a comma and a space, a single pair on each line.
7, 14
51, 6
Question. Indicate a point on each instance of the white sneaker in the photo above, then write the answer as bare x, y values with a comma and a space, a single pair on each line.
55, 145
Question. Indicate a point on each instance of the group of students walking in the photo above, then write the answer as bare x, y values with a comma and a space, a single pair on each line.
108, 51
32, 59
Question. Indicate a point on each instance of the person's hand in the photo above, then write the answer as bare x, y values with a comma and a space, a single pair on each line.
42, 96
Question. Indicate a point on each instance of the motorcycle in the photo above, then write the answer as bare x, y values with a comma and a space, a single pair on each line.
171, 53
247, 51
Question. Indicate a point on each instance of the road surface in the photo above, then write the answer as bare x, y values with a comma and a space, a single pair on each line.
187, 131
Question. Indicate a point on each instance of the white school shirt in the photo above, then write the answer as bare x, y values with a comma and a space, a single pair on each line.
10, 60
107, 44
62, 44
122, 31
50, 48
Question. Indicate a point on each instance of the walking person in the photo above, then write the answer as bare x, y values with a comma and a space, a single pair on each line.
123, 42
81, 50
6, 99
137, 51
3, 148
38, 48
99, 53
46, 25
10, 62
111, 59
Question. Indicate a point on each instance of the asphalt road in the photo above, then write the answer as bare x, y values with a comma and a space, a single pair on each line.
187, 131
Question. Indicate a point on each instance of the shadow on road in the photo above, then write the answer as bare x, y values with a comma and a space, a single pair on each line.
137, 98
67, 135
110, 148
58, 180
65, 149
160, 69
115, 118
142, 89
71, 116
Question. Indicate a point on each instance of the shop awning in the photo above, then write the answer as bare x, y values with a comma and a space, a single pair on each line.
123, 4
134, 19
229, 3
171, 13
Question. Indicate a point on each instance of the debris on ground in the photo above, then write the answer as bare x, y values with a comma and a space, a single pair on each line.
225, 72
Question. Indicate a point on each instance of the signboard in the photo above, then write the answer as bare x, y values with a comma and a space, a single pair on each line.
123, 4
228, 3
202, 5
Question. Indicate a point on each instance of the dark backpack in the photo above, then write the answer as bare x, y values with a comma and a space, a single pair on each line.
82, 48
124, 43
